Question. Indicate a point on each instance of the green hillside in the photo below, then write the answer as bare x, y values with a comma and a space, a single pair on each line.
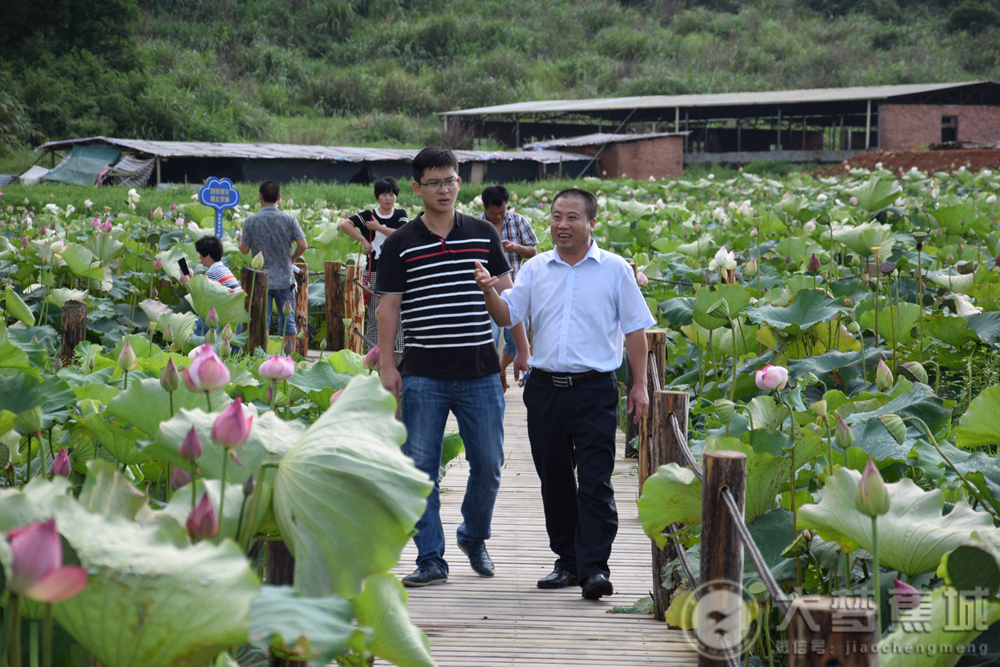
373, 71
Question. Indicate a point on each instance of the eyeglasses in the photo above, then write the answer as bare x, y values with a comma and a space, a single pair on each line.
448, 183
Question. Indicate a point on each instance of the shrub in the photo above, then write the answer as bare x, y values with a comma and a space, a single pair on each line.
972, 17
774, 168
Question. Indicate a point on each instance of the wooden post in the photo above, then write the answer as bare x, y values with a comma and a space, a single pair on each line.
255, 282
302, 308
354, 308
334, 306
74, 329
663, 449
721, 552
832, 631
656, 343
281, 572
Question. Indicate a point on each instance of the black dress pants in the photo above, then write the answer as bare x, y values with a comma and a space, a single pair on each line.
574, 427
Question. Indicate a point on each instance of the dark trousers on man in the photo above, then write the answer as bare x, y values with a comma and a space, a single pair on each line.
574, 427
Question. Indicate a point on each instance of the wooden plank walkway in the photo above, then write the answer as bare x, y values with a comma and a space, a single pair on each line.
507, 620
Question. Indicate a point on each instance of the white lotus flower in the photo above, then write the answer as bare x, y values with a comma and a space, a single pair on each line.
810, 226
711, 176
719, 213
69, 209
133, 195
58, 246
602, 202
821, 198
88, 203
194, 198
723, 260
52, 207
652, 179
992, 199
963, 304
878, 165
744, 208
193, 226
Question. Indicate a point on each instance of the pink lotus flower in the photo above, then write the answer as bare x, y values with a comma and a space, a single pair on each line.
641, 278
287, 308
207, 372
232, 427
907, 597
277, 368
191, 449
95, 223
854, 201
336, 395
179, 478
212, 317
202, 522
158, 264
37, 569
371, 359
61, 465
106, 227
772, 378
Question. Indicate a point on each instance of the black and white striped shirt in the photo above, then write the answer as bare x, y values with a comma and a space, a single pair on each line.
446, 327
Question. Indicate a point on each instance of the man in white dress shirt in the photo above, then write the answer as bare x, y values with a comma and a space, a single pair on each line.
582, 302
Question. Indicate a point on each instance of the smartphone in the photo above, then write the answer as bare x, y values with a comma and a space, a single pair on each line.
182, 262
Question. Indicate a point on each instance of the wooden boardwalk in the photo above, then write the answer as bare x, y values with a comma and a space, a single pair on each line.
507, 620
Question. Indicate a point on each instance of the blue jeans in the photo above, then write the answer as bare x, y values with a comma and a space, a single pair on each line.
478, 405
508, 339
277, 297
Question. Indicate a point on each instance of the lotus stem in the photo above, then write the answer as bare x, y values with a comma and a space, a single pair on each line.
208, 399
254, 501
222, 493
194, 489
239, 522
829, 443
126, 381
732, 389
47, 637
920, 299
27, 465
14, 636
171, 403
877, 589
847, 574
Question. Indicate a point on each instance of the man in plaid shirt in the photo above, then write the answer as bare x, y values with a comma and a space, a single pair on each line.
519, 243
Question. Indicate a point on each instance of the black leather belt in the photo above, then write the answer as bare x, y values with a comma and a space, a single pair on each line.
569, 379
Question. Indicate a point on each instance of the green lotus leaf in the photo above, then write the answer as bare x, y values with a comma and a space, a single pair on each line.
987, 326
862, 238
348, 471
894, 322
170, 258
22, 392
874, 195
382, 607
931, 639
180, 604
950, 330
319, 382
145, 404
912, 537
678, 311
809, 308
698, 249
119, 442
105, 247
270, 438
451, 448
797, 207
980, 425
82, 264
958, 220
320, 627
846, 364
182, 325
17, 308
60, 295
179, 506
153, 308
204, 294
11, 356
918, 401
670, 495
955, 283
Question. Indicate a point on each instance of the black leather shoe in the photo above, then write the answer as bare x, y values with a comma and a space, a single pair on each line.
478, 558
428, 575
559, 578
596, 586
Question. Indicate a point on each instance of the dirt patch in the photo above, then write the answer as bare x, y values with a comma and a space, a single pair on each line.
926, 161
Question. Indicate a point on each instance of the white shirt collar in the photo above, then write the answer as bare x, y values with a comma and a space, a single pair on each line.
593, 252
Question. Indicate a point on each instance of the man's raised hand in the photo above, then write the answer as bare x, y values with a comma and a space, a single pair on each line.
484, 279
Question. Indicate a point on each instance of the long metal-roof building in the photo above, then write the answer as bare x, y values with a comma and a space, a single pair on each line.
821, 124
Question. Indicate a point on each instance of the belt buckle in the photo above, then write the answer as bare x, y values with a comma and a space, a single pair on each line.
562, 381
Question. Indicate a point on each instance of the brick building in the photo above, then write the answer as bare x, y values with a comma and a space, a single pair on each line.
813, 125
660, 155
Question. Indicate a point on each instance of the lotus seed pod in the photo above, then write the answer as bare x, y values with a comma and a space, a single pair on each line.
725, 410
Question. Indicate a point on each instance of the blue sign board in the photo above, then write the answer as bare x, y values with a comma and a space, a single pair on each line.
220, 195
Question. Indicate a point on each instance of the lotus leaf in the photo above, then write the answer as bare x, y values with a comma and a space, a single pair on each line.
913, 536
318, 628
348, 471
809, 308
699, 249
60, 295
382, 607
862, 238
119, 442
17, 308
895, 323
145, 404
22, 392
987, 326
670, 495
955, 283
874, 195
204, 294
319, 383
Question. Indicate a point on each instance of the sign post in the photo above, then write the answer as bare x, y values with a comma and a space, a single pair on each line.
220, 195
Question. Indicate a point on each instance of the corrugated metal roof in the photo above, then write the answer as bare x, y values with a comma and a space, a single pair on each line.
597, 139
810, 95
179, 149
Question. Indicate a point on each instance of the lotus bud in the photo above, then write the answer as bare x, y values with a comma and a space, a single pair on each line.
61, 465
771, 378
883, 376
89, 406
641, 278
106, 227
751, 267
57, 364
232, 427
227, 332
202, 522
322, 345
95, 223
248, 487
871, 497
170, 377
842, 434
191, 449
906, 596
269, 396
210, 336
258, 261
36, 568
158, 264
959, 248
788, 258
949, 258
287, 308
725, 410
819, 408
212, 318
155, 293
126, 359
225, 349
810, 379
168, 333
852, 327
854, 201
895, 426
916, 370
813, 265
277, 369
372, 358
157, 213
336, 395
207, 372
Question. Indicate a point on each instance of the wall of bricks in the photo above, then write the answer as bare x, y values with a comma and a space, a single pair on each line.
660, 157
909, 126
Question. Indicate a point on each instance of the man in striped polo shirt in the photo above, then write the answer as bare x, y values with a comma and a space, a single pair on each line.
427, 273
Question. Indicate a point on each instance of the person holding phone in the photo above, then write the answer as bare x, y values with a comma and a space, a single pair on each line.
209, 249
371, 229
